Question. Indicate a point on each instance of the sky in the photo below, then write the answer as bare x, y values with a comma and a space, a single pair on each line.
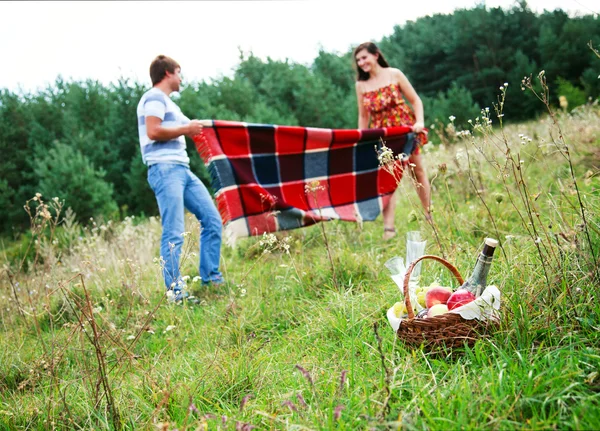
107, 40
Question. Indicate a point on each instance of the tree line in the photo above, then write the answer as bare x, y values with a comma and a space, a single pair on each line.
78, 140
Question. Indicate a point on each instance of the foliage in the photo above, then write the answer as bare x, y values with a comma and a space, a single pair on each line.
457, 102
574, 96
291, 341
67, 173
455, 62
298, 338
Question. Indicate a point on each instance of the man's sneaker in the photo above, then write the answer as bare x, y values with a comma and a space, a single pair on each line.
177, 296
218, 281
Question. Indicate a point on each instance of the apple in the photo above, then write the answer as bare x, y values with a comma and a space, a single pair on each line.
437, 309
436, 284
448, 288
459, 298
436, 295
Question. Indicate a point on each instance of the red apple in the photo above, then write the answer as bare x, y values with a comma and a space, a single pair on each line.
459, 298
436, 295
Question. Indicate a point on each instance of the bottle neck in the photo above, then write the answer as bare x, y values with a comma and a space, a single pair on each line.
488, 251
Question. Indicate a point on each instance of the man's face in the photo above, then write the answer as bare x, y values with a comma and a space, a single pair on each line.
175, 79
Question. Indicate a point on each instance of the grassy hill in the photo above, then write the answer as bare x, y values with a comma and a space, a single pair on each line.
299, 341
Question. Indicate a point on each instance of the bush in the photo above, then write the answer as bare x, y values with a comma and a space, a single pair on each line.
574, 96
591, 83
67, 173
456, 102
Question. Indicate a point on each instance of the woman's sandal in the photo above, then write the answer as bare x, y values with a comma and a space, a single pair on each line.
388, 233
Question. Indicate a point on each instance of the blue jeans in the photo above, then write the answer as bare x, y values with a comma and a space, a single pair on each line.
175, 186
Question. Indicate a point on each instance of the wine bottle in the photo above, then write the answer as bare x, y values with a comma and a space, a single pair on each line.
477, 281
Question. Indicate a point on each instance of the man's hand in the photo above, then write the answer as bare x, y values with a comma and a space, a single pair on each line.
194, 127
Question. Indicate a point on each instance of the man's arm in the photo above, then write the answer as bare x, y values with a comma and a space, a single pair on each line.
159, 133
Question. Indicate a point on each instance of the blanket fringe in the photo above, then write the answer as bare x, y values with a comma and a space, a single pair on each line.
203, 148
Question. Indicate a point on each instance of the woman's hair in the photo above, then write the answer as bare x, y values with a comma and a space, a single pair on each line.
160, 66
371, 49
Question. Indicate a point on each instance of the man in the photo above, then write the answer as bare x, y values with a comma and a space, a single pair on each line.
162, 127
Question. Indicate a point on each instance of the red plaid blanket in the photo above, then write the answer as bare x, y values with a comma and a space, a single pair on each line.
269, 178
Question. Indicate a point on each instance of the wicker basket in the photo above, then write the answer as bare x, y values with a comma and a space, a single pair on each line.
449, 329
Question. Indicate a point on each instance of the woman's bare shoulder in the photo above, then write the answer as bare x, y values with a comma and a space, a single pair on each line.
396, 73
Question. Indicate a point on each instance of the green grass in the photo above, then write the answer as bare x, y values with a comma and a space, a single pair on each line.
270, 348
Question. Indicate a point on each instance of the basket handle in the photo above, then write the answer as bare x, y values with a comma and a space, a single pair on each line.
409, 270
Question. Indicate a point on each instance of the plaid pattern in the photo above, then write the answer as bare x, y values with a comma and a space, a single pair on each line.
270, 178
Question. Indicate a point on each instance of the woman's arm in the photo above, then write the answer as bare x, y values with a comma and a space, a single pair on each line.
363, 115
413, 98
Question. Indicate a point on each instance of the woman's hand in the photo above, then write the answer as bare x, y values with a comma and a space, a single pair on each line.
418, 127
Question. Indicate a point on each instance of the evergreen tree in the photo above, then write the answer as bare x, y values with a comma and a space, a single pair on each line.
66, 173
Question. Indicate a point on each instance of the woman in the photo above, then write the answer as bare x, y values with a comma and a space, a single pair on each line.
379, 91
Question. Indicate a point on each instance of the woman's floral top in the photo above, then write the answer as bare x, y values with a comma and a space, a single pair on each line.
387, 108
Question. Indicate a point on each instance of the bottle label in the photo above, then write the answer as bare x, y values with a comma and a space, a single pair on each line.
478, 279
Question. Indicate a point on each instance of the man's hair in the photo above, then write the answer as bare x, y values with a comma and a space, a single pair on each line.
160, 66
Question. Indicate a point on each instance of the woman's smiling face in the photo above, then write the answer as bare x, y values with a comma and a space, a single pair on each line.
365, 60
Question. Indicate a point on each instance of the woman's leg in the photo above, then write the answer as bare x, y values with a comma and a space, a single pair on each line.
421, 182
389, 212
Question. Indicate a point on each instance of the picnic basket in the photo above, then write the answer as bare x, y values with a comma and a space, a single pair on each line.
449, 329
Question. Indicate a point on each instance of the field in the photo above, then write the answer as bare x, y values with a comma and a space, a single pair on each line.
298, 338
